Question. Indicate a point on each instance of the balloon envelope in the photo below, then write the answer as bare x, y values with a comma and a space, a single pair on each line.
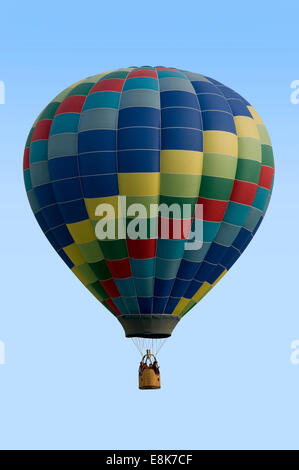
136, 139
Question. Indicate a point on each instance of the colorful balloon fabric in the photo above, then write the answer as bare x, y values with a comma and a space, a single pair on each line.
155, 135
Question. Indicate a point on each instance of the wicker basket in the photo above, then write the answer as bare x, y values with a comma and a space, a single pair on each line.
149, 379
149, 374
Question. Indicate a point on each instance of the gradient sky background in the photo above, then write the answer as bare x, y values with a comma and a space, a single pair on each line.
70, 378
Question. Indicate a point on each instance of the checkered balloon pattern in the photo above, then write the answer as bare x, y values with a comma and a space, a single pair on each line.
155, 135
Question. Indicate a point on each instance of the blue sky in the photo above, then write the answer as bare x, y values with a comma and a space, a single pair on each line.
70, 378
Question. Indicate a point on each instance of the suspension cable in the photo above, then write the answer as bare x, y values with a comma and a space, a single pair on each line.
154, 344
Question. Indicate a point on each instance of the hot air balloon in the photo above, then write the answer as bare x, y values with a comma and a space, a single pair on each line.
156, 138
